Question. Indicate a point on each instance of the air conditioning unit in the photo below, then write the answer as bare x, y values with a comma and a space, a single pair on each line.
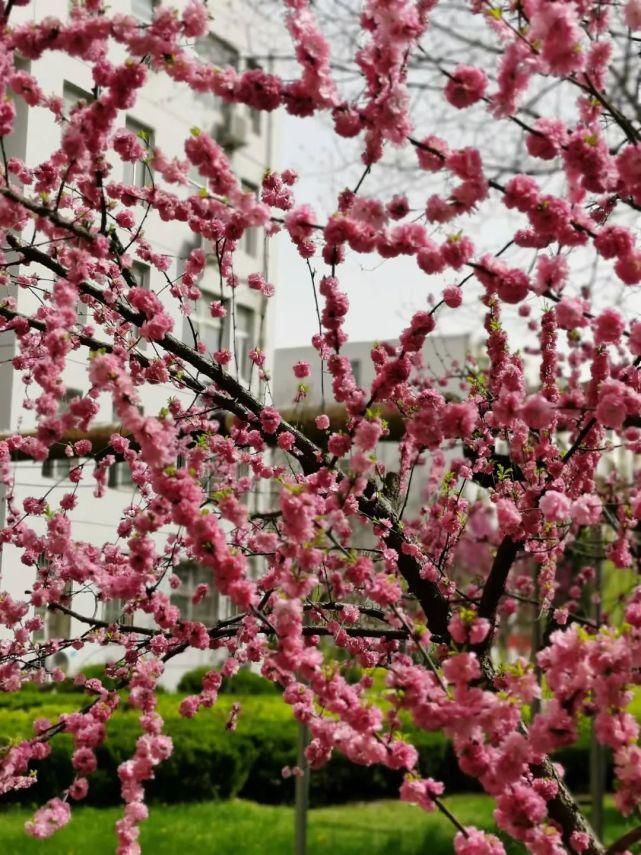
232, 134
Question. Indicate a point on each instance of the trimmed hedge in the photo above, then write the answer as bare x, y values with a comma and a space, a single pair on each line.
210, 762
245, 682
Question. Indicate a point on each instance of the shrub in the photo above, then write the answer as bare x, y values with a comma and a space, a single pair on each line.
245, 682
191, 682
210, 762
93, 672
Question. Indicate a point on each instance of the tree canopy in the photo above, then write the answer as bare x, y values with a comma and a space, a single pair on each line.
528, 456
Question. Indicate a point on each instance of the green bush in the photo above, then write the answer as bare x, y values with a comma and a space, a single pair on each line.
205, 764
245, 682
210, 762
93, 672
191, 682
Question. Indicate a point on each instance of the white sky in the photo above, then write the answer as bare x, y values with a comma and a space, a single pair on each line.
383, 294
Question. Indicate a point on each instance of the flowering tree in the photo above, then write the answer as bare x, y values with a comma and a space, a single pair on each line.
424, 600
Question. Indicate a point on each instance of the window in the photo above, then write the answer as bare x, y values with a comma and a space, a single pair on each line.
244, 323
139, 172
195, 177
113, 613
195, 242
211, 331
221, 54
255, 116
234, 332
140, 273
55, 623
251, 235
59, 468
143, 10
115, 418
82, 313
74, 96
356, 370
69, 395
120, 476
16, 143
218, 52
192, 574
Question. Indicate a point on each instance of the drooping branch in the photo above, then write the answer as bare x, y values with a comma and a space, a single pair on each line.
240, 402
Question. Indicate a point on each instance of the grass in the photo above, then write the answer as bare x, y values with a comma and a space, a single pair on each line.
248, 828
376, 828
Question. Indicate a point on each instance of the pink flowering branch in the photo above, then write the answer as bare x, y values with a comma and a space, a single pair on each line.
419, 589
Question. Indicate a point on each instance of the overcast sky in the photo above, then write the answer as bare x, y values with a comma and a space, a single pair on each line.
382, 293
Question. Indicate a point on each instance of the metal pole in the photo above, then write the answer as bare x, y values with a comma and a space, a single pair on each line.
302, 793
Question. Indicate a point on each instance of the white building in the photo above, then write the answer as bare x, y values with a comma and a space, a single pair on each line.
444, 359
440, 355
163, 115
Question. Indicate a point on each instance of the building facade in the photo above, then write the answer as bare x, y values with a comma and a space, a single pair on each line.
444, 359
163, 116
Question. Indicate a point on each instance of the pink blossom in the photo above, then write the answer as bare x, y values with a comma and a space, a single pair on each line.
465, 86
552, 271
459, 420
570, 314
558, 28
548, 138
128, 145
632, 14
48, 819
475, 842
194, 19
555, 506
586, 510
367, 434
270, 419
452, 296
512, 286
457, 251
521, 192
7, 116
421, 792
614, 242
608, 327
537, 412
579, 841
431, 153
286, 440
628, 268
301, 370
611, 410
634, 341
508, 515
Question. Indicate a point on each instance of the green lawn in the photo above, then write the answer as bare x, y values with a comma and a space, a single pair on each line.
245, 828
